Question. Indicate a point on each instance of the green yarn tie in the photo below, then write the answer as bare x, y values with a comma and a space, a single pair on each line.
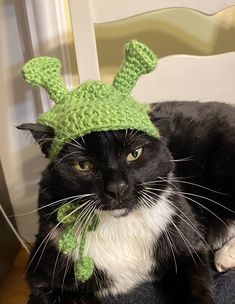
67, 242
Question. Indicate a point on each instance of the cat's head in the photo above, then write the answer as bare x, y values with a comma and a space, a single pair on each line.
116, 167
118, 150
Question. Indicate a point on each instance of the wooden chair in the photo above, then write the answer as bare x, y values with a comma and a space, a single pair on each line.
177, 77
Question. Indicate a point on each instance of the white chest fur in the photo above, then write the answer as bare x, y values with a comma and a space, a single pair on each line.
122, 246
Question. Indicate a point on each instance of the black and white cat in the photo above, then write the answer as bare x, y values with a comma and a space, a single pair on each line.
164, 206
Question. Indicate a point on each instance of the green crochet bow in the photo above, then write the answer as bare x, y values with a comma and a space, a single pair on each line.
68, 241
93, 106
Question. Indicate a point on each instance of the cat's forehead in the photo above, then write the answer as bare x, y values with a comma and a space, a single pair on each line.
106, 143
114, 139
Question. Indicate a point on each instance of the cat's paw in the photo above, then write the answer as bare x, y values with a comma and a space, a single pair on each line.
225, 257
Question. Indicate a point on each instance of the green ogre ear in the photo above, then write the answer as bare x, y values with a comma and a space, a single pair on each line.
139, 59
46, 72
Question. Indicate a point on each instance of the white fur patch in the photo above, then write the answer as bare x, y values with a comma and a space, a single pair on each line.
122, 246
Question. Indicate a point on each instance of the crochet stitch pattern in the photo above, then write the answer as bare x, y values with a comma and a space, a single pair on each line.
67, 241
93, 106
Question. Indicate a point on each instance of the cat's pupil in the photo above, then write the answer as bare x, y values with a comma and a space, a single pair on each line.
82, 164
134, 154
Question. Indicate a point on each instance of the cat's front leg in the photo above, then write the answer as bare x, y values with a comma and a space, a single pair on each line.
197, 280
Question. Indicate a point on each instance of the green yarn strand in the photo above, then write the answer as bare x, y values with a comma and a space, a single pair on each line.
138, 60
67, 242
83, 269
46, 72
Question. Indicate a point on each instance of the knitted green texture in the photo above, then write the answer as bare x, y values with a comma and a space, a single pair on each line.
138, 60
67, 242
83, 269
45, 72
63, 213
93, 106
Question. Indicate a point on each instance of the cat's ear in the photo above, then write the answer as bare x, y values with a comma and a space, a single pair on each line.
161, 121
41, 133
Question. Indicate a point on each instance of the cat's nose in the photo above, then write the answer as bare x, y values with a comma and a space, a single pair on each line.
116, 189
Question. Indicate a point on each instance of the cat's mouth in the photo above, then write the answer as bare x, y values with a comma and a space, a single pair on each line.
118, 212
116, 207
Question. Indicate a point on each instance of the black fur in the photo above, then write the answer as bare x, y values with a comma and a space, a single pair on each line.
203, 135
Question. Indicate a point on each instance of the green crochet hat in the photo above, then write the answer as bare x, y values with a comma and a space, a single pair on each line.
93, 106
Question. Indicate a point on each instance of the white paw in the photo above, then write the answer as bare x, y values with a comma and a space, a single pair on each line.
225, 257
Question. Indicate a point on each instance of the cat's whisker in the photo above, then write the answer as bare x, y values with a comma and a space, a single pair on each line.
62, 158
79, 228
81, 221
174, 179
67, 135
80, 206
83, 214
47, 139
147, 203
143, 200
182, 194
52, 204
54, 268
90, 217
199, 204
43, 250
65, 272
131, 132
167, 179
190, 224
134, 136
44, 189
69, 257
69, 202
83, 140
208, 199
167, 235
151, 182
181, 159
172, 249
125, 138
187, 243
49, 235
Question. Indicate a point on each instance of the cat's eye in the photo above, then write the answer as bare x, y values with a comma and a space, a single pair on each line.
83, 166
134, 155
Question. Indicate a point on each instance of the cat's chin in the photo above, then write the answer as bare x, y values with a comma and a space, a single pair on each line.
117, 212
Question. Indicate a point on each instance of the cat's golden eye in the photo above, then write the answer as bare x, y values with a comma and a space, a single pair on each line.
134, 155
83, 166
